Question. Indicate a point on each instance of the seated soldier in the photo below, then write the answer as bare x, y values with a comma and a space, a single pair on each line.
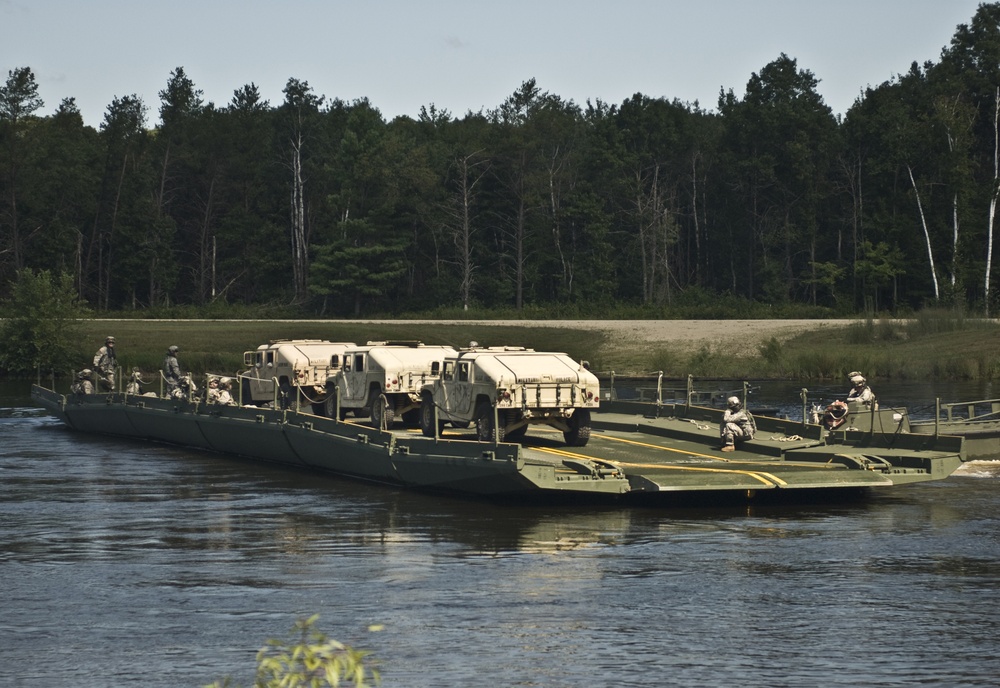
737, 424
860, 392
225, 394
212, 396
82, 383
135, 383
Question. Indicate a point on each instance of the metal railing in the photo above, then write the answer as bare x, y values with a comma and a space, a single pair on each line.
967, 410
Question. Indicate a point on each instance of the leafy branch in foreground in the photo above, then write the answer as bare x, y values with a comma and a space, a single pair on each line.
42, 327
310, 660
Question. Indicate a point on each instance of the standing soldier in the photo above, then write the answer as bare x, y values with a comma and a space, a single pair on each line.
105, 364
172, 370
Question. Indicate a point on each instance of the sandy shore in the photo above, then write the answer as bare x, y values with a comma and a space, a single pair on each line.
741, 336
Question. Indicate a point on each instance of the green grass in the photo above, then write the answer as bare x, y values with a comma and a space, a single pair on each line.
929, 346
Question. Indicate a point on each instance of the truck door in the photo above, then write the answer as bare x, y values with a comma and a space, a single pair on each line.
263, 387
462, 389
355, 376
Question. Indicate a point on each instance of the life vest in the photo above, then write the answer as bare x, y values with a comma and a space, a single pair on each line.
835, 415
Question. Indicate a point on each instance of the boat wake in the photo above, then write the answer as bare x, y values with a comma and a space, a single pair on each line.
979, 469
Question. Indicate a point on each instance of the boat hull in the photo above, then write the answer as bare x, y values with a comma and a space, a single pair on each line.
638, 453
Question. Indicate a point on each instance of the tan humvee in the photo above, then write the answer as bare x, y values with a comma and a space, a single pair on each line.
286, 372
383, 379
505, 389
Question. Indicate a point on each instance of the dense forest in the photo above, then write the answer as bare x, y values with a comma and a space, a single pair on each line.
324, 206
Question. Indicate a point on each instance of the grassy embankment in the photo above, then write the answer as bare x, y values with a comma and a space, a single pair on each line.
928, 346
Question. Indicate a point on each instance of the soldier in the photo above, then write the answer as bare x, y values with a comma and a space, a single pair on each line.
172, 371
737, 424
82, 383
135, 383
105, 364
861, 392
212, 395
225, 394
185, 389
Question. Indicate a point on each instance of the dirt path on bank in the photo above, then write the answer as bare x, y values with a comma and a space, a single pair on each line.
742, 337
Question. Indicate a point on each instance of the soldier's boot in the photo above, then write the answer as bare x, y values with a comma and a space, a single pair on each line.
729, 448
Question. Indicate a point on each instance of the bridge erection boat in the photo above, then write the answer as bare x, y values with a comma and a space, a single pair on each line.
638, 452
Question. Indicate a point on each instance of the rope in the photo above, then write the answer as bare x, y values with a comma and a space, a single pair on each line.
307, 397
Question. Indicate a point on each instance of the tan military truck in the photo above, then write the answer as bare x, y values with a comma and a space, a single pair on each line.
503, 390
284, 372
382, 380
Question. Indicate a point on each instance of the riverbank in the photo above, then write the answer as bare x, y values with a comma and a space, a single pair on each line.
932, 347
740, 337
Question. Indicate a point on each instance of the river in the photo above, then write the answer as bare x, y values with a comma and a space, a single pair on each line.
132, 564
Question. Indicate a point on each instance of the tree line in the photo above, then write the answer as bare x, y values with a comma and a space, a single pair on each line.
326, 206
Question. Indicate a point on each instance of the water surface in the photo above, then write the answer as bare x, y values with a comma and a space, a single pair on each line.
127, 564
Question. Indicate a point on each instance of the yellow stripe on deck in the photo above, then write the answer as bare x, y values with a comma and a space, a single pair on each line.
662, 448
762, 476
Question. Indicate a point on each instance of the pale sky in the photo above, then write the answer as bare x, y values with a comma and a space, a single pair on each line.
463, 55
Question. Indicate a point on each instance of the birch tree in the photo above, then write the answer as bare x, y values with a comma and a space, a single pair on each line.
300, 106
469, 172
927, 233
991, 217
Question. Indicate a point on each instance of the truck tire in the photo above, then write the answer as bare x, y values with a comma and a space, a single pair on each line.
579, 429
517, 434
330, 403
383, 413
485, 429
427, 417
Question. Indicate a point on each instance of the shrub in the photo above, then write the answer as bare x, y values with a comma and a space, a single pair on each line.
42, 326
310, 660
772, 351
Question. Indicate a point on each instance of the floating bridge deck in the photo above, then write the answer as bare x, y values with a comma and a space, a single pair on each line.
661, 453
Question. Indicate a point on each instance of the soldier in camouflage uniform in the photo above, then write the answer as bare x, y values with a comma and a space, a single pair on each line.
225, 394
105, 364
135, 383
172, 371
737, 424
212, 395
82, 383
861, 392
